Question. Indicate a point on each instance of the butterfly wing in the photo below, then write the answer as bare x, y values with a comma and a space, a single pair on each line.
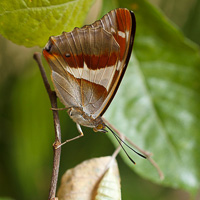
122, 25
78, 67
88, 63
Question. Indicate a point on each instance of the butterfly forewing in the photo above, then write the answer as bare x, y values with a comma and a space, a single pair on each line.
89, 62
121, 24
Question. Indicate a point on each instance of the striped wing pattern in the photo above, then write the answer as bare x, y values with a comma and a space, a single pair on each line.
88, 63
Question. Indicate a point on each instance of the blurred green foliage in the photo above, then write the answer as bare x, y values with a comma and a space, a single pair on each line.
33, 21
159, 98
161, 113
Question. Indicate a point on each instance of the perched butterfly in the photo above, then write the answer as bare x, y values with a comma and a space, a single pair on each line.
88, 64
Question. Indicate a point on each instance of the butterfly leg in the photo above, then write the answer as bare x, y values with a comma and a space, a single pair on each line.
58, 109
69, 140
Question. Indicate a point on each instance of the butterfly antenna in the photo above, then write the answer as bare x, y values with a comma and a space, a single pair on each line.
119, 139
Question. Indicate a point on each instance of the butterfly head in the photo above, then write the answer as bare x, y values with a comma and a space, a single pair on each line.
100, 128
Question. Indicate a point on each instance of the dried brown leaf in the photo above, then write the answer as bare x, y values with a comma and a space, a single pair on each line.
95, 179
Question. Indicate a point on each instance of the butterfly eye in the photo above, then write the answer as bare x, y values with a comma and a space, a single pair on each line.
100, 126
67, 55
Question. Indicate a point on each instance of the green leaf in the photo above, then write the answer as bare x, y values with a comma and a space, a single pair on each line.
158, 103
31, 23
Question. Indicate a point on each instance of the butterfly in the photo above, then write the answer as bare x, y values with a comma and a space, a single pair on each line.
88, 64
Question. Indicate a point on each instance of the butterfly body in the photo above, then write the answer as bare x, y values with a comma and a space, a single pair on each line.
82, 118
88, 64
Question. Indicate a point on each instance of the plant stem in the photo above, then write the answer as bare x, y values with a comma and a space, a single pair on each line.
57, 151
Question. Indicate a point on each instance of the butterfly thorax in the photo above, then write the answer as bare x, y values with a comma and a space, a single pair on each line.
80, 117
